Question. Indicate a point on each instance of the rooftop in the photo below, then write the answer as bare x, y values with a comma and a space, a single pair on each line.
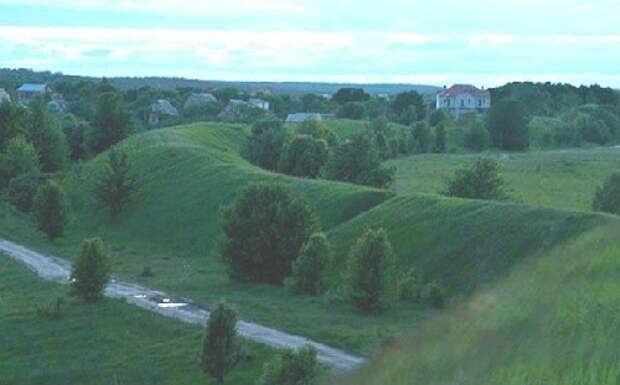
459, 89
31, 87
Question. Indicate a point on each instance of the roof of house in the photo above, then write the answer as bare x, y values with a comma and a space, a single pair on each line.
302, 117
459, 89
164, 107
30, 87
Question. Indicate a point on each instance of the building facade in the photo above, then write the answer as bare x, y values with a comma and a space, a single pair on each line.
462, 99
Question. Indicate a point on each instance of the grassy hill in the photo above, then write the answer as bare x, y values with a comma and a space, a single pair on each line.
552, 321
107, 343
346, 128
565, 179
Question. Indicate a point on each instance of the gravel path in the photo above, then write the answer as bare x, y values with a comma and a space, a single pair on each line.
58, 270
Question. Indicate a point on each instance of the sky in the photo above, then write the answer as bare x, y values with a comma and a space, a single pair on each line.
482, 42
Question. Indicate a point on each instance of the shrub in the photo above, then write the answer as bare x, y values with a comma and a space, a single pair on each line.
477, 136
266, 143
51, 311
310, 266
407, 286
433, 294
115, 184
352, 110
482, 180
423, 137
317, 130
607, 197
50, 209
291, 368
19, 157
91, 271
22, 189
304, 156
370, 272
220, 351
264, 229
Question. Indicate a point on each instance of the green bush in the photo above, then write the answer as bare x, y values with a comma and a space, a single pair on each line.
292, 368
432, 294
220, 351
265, 227
91, 271
19, 157
115, 184
304, 156
265, 146
22, 189
607, 197
47, 137
407, 286
309, 268
482, 180
370, 275
50, 209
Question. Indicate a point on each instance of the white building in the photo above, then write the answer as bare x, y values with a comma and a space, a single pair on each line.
259, 103
462, 99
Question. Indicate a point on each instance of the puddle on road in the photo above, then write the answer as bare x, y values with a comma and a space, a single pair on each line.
164, 303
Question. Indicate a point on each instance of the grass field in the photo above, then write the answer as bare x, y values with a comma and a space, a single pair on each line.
554, 320
565, 179
107, 343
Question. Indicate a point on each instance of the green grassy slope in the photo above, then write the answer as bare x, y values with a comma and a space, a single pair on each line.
346, 128
553, 321
565, 179
108, 343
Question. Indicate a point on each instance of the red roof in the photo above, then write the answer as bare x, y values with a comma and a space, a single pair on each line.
459, 89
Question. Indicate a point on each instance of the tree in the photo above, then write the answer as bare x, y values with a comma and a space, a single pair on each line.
12, 121
304, 156
507, 124
477, 136
482, 180
116, 184
347, 95
112, 123
19, 157
440, 139
358, 161
91, 271
310, 266
264, 229
22, 189
370, 276
75, 132
47, 137
220, 351
317, 130
291, 368
437, 117
423, 137
403, 101
50, 209
352, 110
266, 143
607, 197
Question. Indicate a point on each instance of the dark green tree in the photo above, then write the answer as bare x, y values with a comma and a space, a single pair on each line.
507, 124
116, 184
264, 229
352, 110
440, 139
91, 271
220, 351
75, 131
292, 368
12, 121
403, 101
607, 197
482, 180
112, 123
437, 117
304, 156
19, 157
266, 144
423, 137
317, 130
309, 268
22, 189
347, 95
370, 278
47, 137
50, 209
477, 136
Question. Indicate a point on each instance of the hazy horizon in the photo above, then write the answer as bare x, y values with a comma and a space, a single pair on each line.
316, 41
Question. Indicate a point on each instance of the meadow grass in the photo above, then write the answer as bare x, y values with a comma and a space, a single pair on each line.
106, 343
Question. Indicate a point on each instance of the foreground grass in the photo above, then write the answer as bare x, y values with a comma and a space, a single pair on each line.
565, 179
107, 343
555, 320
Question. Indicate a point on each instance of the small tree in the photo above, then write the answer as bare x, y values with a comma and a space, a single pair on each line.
507, 123
291, 368
482, 180
22, 189
310, 266
370, 272
50, 209
112, 123
220, 351
266, 144
12, 121
440, 139
607, 197
423, 137
19, 157
264, 229
47, 137
304, 156
116, 183
477, 136
91, 271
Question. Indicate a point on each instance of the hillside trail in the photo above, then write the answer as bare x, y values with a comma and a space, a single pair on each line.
58, 270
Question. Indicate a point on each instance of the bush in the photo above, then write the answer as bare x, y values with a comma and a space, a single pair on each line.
291, 368
317, 130
220, 351
477, 136
304, 156
352, 110
264, 230
407, 286
266, 144
51, 311
50, 209
607, 197
91, 271
19, 157
433, 294
22, 189
480, 181
310, 266
370, 277
423, 137
115, 184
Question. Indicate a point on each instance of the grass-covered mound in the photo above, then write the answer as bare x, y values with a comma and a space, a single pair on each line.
106, 343
553, 321
346, 128
463, 243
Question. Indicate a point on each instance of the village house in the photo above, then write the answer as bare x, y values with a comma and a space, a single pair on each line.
4, 96
29, 92
463, 99
198, 102
159, 111
58, 104
259, 103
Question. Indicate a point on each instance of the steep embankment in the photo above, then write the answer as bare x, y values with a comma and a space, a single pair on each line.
554, 320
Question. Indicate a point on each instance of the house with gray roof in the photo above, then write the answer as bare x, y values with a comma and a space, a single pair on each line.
4, 96
58, 104
196, 102
29, 92
160, 110
301, 117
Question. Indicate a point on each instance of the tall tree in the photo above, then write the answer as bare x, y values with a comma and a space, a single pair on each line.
309, 268
47, 137
19, 157
346, 95
440, 139
112, 122
482, 180
220, 352
507, 124
91, 271
50, 209
403, 101
116, 184
304, 156
12, 121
